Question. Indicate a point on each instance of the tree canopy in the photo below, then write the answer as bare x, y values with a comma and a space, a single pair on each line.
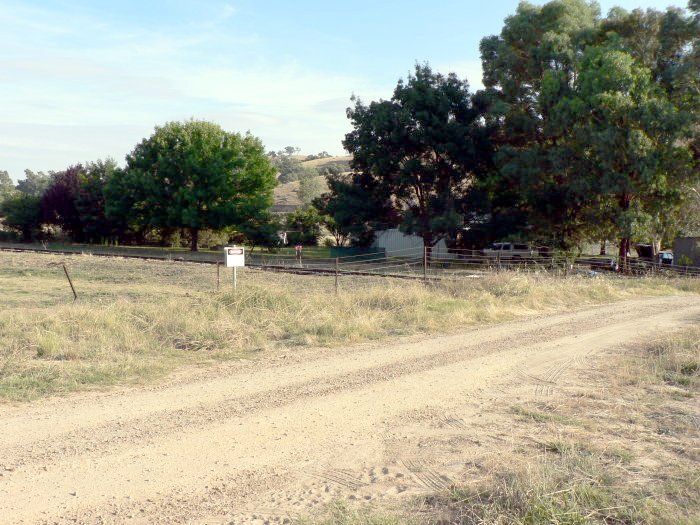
21, 212
6, 185
34, 183
588, 128
414, 157
58, 201
595, 118
193, 175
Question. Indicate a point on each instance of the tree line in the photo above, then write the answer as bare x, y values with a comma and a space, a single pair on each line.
186, 178
588, 128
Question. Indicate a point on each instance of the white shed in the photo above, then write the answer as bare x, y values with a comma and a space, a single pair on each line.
398, 244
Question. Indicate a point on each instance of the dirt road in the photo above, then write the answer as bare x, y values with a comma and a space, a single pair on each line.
266, 440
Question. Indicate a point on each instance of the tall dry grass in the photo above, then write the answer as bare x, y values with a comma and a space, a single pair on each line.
137, 320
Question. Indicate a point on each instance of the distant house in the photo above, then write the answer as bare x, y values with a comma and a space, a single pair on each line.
398, 244
687, 250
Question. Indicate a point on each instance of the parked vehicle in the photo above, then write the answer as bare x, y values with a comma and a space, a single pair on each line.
647, 257
510, 250
665, 258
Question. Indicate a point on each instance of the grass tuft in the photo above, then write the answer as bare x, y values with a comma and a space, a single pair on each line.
539, 415
341, 513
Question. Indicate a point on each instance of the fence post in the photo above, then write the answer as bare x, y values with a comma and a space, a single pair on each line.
336, 276
65, 270
425, 263
218, 276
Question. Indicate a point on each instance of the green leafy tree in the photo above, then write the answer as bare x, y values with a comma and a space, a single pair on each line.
303, 226
554, 107
21, 212
90, 201
34, 184
668, 44
356, 212
59, 201
7, 188
665, 42
325, 205
339, 236
533, 192
262, 230
192, 175
628, 140
416, 154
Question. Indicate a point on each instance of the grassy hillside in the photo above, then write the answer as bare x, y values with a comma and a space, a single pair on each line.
287, 194
320, 163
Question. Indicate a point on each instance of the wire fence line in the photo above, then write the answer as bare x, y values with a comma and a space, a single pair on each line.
420, 263
409, 263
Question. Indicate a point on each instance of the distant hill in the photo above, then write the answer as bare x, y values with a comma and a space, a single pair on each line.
286, 195
319, 163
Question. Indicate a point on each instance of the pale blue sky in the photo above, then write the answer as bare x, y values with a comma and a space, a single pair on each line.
82, 80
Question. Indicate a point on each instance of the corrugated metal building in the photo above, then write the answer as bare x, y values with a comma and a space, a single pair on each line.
398, 244
687, 247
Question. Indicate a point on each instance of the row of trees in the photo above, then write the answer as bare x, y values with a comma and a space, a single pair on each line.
188, 175
588, 128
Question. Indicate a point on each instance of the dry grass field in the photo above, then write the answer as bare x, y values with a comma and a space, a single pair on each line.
135, 321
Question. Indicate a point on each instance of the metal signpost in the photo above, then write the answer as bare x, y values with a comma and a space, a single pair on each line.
235, 258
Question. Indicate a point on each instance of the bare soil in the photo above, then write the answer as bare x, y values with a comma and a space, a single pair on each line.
269, 440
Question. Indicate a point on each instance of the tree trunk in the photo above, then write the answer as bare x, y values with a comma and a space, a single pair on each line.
624, 250
194, 234
625, 201
602, 247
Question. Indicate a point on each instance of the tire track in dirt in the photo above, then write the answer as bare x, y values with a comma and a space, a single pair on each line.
425, 475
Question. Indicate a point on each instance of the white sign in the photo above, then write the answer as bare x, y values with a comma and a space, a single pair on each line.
235, 256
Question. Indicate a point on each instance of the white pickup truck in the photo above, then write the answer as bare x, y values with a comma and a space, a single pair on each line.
509, 250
